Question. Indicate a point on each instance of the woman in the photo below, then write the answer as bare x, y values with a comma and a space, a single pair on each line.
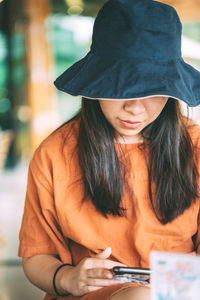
121, 178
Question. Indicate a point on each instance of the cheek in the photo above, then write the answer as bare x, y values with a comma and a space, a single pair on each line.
105, 110
155, 110
109, 108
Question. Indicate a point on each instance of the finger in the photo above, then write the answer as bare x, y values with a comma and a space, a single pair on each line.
88, 289
99, 273
102, 282
104, 254
95, 263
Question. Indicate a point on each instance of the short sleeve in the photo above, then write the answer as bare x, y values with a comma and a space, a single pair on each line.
40, 231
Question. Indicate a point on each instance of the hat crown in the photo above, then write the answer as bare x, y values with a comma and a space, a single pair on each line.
137, 28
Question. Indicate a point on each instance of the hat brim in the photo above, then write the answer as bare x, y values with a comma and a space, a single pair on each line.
106, 77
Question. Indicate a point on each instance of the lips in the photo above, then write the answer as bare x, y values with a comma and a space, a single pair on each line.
130, 124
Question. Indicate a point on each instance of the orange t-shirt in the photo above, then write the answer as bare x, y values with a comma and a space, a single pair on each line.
57, 221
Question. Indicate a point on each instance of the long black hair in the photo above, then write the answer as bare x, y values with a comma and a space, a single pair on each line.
171, 163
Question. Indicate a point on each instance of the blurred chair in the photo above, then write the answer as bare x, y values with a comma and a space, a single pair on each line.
6, 137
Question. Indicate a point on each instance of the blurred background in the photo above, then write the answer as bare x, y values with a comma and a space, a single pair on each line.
39, 39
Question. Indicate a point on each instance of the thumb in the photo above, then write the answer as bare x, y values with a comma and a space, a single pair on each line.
104, 254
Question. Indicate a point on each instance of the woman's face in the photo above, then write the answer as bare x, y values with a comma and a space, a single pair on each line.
130, 117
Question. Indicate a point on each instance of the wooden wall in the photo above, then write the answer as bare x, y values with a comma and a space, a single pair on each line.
41, 92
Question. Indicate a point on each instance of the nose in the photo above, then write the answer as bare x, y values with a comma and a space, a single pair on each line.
135, 107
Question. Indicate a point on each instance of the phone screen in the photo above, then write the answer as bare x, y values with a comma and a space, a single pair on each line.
128, 274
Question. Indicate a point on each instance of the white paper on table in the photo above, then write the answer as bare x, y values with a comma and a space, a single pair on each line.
175, 276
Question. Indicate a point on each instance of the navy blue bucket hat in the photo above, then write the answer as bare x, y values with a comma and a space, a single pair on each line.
135, 53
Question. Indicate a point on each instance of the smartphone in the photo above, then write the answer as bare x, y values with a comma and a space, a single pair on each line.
130, 270
128, 274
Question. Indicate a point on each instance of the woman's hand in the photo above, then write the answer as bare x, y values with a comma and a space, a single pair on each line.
89, 275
